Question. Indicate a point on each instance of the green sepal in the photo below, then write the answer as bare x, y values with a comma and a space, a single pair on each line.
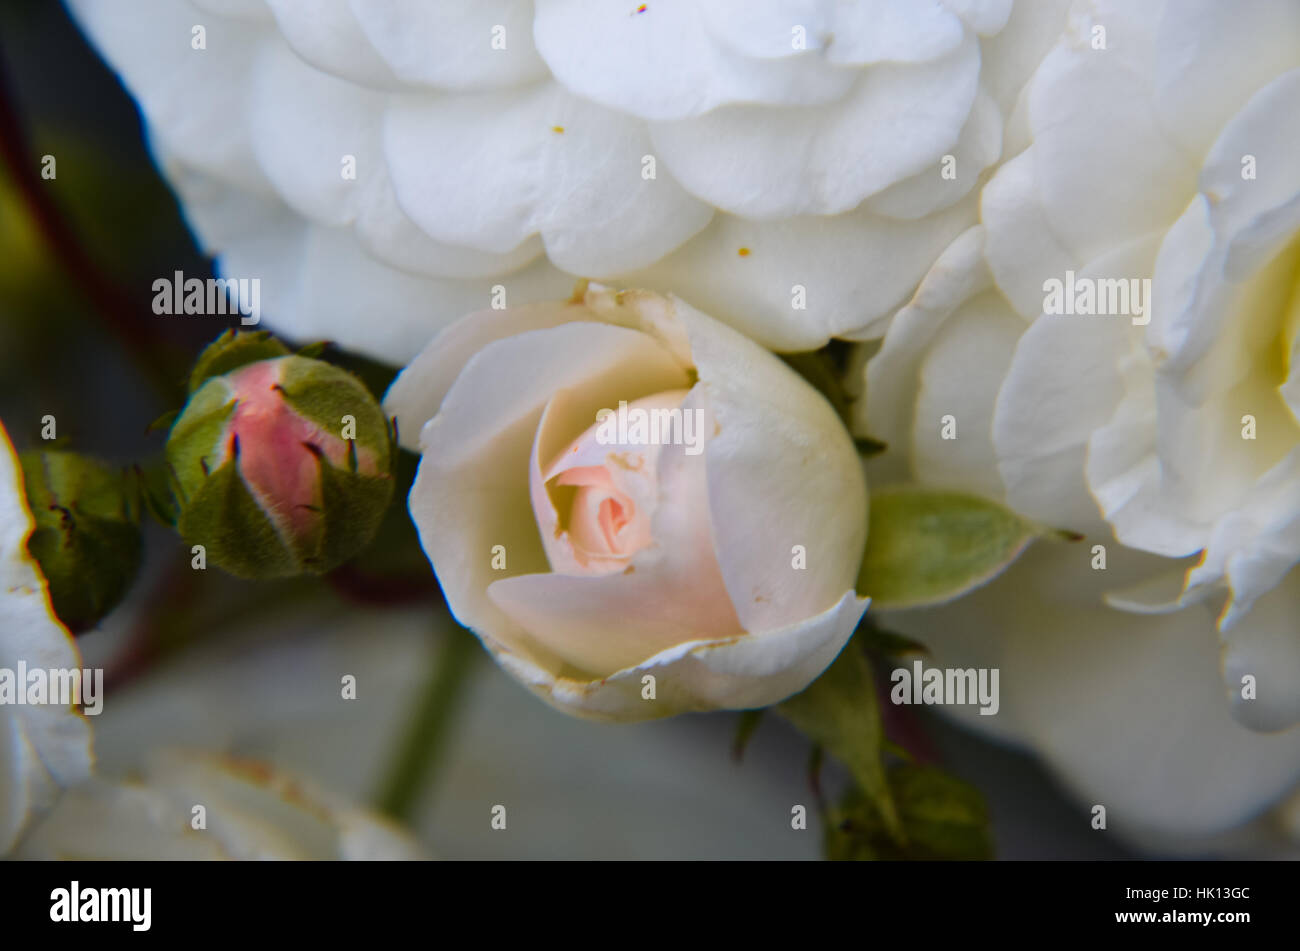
324, 394
232, 350
237, 535
352, 509
194, 445
313, 351
926, 546
87, 535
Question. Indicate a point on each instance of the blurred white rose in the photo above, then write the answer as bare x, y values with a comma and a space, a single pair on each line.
1168, 157
381, 165
718, 559
43, 747
188, 805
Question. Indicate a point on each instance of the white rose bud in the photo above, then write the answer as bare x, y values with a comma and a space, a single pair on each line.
618, 488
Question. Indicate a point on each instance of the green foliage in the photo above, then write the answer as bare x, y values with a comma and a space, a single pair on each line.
942, 818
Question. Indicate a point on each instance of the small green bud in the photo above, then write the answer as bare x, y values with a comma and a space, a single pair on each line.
280, 467
87, 535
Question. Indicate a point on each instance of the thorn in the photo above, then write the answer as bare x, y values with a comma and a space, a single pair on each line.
314, 449
203, 464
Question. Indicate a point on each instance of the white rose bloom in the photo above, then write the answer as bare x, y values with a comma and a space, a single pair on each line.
45, 747
1167, 155
382, 165
629, 573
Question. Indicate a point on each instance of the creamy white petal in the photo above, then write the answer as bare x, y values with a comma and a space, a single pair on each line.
978, 147
794, 284
315, 135
777, 454
745, 672
888, 411
662, 62
981, 334
1022, 249
471, 492
513, 164
487, 44
327, 34
769, 163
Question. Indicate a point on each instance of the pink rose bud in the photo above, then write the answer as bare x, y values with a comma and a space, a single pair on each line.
281, 466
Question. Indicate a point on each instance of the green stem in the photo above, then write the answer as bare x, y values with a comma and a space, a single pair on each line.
414, 766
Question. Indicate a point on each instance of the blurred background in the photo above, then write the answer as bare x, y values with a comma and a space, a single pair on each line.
198, 659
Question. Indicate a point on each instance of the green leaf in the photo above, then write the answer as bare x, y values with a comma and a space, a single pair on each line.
944, 818
839, 712
926, 546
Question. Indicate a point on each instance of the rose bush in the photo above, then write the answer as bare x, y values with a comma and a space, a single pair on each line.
402, 157
586, 560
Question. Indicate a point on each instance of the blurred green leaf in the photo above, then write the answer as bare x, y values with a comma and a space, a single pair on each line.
944, 818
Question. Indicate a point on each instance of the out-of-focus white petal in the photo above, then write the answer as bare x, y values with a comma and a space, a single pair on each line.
1249, 43
1162, 752
327, 35
196, 100
250, 812
43, 747
1265, 645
